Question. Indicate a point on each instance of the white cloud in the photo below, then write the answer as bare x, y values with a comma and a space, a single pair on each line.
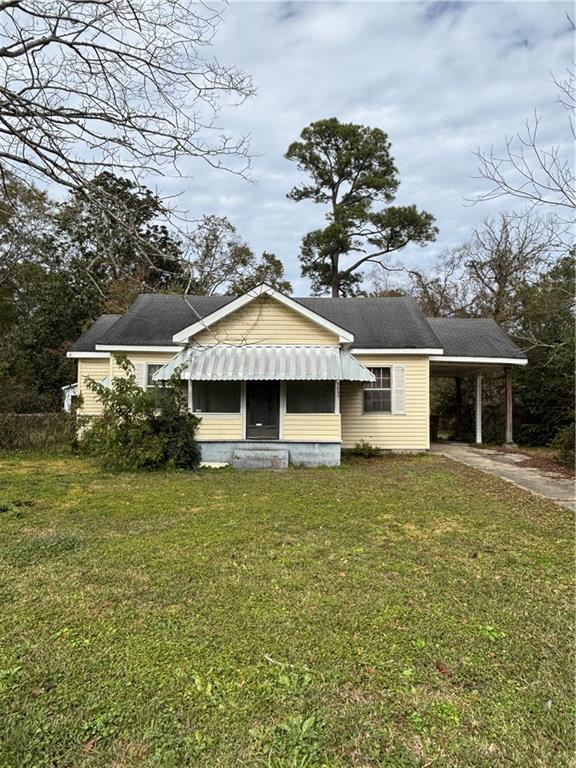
441, 79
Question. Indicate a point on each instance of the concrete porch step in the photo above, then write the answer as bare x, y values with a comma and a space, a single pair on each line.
260, 458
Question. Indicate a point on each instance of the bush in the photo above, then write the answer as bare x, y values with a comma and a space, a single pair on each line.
141, 428
564, 445
48, 432
364, 450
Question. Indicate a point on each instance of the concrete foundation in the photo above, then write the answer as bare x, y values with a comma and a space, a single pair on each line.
299, 454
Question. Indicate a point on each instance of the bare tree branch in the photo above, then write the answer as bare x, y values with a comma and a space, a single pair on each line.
117, 85
527, 169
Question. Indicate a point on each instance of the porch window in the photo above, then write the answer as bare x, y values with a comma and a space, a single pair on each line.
378, 394
310, 397
216, 396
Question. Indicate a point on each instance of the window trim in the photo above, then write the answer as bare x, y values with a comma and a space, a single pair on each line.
202, 414
390, 389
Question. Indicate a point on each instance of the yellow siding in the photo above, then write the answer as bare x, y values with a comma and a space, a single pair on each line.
220, 427
142, 357
91, 368
321, 427
409, 431
266, 321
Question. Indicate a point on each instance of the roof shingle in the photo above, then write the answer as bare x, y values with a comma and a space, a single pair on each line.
377, 323
93, 335
474, 337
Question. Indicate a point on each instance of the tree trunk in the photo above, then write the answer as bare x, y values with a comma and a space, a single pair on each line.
458, 399
335, 276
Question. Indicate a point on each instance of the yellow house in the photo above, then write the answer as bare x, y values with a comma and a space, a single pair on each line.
293, 378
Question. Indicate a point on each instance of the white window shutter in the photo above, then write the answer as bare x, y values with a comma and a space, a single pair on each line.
399, 389
140, 374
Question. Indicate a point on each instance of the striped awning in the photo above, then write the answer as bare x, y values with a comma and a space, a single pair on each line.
226, 362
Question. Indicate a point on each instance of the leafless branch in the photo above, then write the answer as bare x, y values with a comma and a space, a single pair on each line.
538, 173
118, 85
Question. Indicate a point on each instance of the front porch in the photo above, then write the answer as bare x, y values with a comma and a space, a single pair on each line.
266, 405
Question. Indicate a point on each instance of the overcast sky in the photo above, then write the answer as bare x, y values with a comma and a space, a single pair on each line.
441, 79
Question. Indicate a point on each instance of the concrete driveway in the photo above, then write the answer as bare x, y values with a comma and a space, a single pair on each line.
506, 465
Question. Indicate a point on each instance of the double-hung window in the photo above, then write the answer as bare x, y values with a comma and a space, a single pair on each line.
151, 369
378, 393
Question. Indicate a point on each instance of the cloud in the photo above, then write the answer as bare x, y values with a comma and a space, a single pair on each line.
442, 79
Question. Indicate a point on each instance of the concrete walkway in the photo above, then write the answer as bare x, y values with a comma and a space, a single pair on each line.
506, 465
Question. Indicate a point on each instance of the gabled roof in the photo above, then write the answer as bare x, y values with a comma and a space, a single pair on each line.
238, 302
480, 338
376, 323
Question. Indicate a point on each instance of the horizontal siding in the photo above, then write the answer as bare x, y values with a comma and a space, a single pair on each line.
311, 427
221, 427
91, 368
266, 321
135, 358
409, 431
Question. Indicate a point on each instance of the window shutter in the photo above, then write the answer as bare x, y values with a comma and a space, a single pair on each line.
140, 374
399, 389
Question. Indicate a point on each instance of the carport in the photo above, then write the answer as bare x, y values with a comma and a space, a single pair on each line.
476, 347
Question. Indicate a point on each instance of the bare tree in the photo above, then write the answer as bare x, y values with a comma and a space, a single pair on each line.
503, 255
483, 277
119, 85
443, 291
529, 170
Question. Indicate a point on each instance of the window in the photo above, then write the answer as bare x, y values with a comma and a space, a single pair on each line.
310, 397
151, 369
216, 396
378, 394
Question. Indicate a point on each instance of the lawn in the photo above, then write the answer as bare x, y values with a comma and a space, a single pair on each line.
406, 611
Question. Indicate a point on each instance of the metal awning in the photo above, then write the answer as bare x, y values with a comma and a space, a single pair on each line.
225, 362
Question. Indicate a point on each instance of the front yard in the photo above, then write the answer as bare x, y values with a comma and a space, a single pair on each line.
403, 612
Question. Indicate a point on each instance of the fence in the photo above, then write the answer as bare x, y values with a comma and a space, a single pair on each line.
37, 431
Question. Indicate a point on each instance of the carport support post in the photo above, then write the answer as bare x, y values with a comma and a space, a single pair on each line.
509, 411
478, 407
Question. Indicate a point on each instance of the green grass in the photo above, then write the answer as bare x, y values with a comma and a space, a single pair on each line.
402, 612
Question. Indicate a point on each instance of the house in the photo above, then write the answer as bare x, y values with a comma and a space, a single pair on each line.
305, 376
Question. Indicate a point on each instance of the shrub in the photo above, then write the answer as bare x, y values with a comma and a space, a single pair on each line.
37, 431
141, 428
365, 451
564, 445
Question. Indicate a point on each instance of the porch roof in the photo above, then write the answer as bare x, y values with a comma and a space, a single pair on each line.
226, 362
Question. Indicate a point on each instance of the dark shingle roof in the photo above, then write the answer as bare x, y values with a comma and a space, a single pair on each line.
391, 323
386, 323
152, 319
93, 335
377, 323
472, 337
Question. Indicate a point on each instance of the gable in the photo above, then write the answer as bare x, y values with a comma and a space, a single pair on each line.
265, 320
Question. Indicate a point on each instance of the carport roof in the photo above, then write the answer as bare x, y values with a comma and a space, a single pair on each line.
478, 338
